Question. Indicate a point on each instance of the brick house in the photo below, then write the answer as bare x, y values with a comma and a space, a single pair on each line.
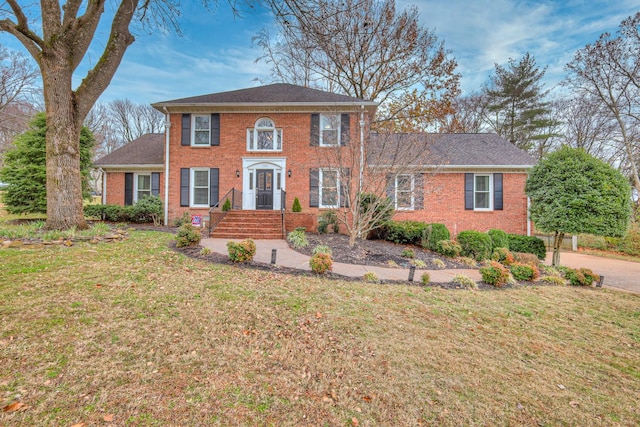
262, 147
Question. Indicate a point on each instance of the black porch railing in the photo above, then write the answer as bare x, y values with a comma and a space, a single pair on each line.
230, 201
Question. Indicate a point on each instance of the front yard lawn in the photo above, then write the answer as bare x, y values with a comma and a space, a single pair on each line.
136, 334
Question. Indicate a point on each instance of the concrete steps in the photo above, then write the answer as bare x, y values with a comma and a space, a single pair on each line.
240, 224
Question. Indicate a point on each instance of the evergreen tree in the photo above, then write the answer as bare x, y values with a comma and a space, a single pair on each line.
25, 170
516, 109
573, 192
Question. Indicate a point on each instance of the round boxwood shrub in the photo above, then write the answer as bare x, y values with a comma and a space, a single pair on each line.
187, 235
475, 244
494, 274
503, 256
241, 252
529, 244
437, 233
580, 277
499, 238
404, 232
526, 272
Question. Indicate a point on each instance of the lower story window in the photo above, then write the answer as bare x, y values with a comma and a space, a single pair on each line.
482, 192
404, 192
200, 187
143, 187
329, 184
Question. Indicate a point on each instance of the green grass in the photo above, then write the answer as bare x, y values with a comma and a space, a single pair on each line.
138, 331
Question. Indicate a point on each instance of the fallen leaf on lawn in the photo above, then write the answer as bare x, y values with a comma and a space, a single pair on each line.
318, 315
367, 398
79, 425
561, 387
15, 407
355, 422
574, 404
108, 418
98, 285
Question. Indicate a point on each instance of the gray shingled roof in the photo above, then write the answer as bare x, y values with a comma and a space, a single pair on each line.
146, 150
278, 93
448, 150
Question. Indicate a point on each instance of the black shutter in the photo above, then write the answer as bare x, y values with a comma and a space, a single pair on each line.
391, 187
214, 186
345, 183
418, 191
345, 129
184, 186
155, 183
314, 188
186, 129
315, 130
215, 129
128, 189
468, 191
497, 191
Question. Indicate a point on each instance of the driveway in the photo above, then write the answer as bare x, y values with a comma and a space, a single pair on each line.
618, 274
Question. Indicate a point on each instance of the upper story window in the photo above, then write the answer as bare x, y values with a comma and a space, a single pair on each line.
329, 129
201, 130
264, 136
404, 192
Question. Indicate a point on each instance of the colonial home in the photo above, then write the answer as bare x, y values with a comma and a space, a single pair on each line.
260, 148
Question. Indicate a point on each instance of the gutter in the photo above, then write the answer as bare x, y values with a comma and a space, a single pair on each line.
167, 128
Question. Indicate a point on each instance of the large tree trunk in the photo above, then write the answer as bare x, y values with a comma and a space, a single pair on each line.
557, 244
64, 185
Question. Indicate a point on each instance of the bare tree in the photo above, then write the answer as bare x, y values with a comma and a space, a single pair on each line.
131, 121
58, 37
467, 115
362, 48
609, 71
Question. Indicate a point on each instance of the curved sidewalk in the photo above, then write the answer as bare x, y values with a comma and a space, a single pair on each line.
287, 257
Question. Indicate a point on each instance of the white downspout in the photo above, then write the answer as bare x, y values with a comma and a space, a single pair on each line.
528, 217
103, 174
167, 128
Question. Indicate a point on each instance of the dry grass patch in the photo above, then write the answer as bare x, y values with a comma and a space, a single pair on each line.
136, 332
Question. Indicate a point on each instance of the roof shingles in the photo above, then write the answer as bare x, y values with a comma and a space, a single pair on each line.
143, 151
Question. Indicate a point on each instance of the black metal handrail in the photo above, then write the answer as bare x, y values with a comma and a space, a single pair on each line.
283, 208
235, 201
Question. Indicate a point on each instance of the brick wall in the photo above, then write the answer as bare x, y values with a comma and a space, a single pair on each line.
115, 187
444, 203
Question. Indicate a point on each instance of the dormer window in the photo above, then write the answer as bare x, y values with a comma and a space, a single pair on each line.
264, 136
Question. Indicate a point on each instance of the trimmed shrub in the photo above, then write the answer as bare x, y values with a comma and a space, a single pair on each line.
298, 238
503, 256
528, 244
226, 206
149, 209
437, 232
241, 252
525, 258
296, 207
205, 251
526, 272
448, 248
321, 263
438, 263
425, 278
184, 219
404, 232
580, 277
419, 263
499, 238
494, 274
475, 244
328, 218
554, 280
187, 235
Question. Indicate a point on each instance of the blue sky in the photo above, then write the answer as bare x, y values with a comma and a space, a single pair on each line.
215, 53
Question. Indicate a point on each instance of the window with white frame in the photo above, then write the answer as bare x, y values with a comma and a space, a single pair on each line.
482, 192
143, 187
404, 187
201, 130
329, 130
264, 136
199, 188
329, 188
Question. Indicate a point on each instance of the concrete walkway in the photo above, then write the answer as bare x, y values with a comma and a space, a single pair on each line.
618, 274
287, 257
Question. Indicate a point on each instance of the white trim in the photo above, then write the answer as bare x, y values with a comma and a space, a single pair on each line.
249, 166
167, 129
136, 190
129, 168
338, 129
192, 172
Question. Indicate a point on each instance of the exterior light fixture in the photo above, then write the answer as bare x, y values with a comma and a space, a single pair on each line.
289, 173
237, 173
